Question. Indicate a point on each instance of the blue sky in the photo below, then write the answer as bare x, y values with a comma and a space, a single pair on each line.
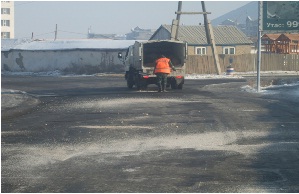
73, 18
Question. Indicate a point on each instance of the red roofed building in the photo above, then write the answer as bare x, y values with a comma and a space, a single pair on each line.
281, 43
269, 42
288, 44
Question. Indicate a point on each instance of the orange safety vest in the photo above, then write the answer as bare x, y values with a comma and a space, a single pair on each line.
162, 66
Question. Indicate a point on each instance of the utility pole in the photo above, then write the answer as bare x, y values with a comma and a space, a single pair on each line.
205, 17
211, 39
55, 33
214, 49
208, 29
260, 5
178, 18
176, 23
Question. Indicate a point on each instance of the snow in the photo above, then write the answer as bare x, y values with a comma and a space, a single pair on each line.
268, 89
212, 76
56, 73
239, 75
7, 44
30, 45
12, 98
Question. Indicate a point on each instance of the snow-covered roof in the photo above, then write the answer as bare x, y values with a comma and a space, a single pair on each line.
64, 44
7, 44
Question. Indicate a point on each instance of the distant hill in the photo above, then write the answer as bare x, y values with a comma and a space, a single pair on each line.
239, 15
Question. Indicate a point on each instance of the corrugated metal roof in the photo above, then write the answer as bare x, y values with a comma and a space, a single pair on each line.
224, 35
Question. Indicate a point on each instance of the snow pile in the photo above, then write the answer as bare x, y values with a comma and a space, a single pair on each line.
274, 86
55, 73
287, 91
212, 76
250, 89
268, 73
9, 91
14, 98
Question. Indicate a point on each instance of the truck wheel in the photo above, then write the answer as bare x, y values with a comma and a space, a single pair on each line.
180, 86
130, 82
173, 84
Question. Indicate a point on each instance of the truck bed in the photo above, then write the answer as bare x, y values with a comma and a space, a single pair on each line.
175, 51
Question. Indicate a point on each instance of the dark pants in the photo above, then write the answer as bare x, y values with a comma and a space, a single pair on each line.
162, 81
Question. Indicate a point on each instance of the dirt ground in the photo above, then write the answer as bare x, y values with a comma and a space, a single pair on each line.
92, 134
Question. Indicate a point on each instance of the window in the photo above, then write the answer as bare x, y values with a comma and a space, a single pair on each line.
5, 34
5, 23
5, 11
229, 50
200, 50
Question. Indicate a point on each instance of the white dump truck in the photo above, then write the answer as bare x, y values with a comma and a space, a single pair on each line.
140, 58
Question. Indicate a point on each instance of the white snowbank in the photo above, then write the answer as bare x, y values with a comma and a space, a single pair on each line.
238, 75
212, 76
12, 98
284, 91
56, 73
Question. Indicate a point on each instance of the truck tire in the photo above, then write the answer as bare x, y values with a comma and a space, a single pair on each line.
180, 86
140, 83
130, 82
173, 84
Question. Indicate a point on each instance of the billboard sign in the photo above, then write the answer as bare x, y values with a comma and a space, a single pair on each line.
280, 15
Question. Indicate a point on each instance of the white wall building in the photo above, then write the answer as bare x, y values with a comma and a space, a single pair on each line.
68, 56
7, 20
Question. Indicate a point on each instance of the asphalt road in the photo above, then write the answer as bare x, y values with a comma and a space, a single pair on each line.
92, 134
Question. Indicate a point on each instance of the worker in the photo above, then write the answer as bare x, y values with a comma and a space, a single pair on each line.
161, 70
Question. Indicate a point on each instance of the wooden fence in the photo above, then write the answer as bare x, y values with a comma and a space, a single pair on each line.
243, 63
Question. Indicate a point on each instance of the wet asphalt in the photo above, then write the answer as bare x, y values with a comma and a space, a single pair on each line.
92, 134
